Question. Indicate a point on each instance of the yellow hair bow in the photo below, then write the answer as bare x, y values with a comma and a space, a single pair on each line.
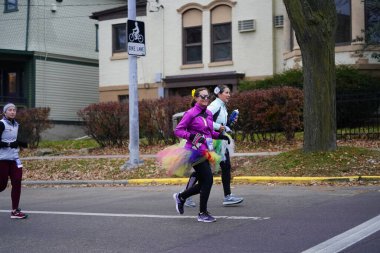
193, 93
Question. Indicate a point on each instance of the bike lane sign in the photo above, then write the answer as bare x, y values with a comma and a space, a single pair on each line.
136, 37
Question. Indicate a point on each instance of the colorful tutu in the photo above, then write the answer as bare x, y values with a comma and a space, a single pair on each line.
178, 160
220, 147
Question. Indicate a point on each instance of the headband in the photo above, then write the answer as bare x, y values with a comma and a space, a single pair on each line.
7, 106
217, 90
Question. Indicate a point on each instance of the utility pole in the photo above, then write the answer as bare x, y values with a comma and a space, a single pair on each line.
134, 159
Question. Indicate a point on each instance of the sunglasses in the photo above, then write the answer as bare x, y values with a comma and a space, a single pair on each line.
204, 97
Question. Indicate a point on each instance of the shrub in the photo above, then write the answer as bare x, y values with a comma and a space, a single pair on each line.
356, 96
348, 80
292, 78
157, 118
263, 113
33, 122
107, 123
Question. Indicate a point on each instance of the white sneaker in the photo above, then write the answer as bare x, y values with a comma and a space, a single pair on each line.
231, 199
190, 202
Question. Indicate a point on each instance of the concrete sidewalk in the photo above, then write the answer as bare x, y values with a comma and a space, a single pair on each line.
127, 156
177, 181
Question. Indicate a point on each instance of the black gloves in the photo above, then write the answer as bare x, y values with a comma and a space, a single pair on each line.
4, 144
224, 137
197, 140
13, 144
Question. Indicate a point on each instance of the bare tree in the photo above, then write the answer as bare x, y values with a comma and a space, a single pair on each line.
314, 23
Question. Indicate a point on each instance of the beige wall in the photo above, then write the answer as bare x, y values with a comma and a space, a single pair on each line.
111, 93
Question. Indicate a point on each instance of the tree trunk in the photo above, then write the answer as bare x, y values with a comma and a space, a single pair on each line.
314, 23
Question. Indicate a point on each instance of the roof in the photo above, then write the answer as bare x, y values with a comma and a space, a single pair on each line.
120, 12
230, 77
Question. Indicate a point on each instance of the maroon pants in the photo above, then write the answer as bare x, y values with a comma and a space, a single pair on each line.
9, 169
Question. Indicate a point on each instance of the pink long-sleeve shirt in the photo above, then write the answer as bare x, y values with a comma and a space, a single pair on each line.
193, 123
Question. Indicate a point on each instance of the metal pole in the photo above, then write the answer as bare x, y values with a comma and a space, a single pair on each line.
27, 27
134, 160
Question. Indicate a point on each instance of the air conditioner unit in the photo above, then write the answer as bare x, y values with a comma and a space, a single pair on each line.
278, 21
248, 25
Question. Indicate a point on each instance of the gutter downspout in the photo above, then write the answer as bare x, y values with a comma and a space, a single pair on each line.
27, 26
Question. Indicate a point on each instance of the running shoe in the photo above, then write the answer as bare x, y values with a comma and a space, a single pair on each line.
190, 202
206, 217
178, 203
231, 199
17, 214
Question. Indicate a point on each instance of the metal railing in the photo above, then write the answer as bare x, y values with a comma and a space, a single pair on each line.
358, 116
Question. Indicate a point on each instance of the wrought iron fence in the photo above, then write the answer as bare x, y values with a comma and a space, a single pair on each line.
358, 116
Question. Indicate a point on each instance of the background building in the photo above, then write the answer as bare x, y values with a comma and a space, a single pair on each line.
189, 44
209, 42
48, 55
357, 37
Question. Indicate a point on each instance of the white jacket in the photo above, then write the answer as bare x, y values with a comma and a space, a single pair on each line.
222, 117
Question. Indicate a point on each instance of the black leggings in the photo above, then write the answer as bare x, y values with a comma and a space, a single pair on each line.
205, 181
226, 175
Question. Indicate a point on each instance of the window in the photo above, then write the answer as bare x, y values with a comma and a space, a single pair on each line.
193, 45
96, 38
221, 42
123, 99
11, 85
372, 21
119, 41
343, 30
291, 36
192, 36
221, 39
10, 6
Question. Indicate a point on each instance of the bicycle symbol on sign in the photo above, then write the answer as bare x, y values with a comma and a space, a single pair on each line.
135, 35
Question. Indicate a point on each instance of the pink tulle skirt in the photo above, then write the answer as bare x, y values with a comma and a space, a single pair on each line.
178, 160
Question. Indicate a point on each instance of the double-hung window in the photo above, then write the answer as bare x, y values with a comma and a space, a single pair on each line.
343, 30
372, 22
10, 5
192, 45
119, 38
221, 44
192, 36
221, 34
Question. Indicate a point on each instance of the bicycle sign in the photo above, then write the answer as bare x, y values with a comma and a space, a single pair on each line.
136, 37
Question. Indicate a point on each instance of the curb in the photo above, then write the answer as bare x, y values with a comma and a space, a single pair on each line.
178, 181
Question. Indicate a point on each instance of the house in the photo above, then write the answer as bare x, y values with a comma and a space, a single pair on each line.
49, 55
354, 19
190, 44
209, 42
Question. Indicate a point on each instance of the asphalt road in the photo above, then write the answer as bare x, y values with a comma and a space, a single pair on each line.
272, 219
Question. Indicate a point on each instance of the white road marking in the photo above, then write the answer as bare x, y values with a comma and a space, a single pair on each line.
348, 238
138, 215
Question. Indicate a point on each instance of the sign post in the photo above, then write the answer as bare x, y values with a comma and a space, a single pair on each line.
135, 46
